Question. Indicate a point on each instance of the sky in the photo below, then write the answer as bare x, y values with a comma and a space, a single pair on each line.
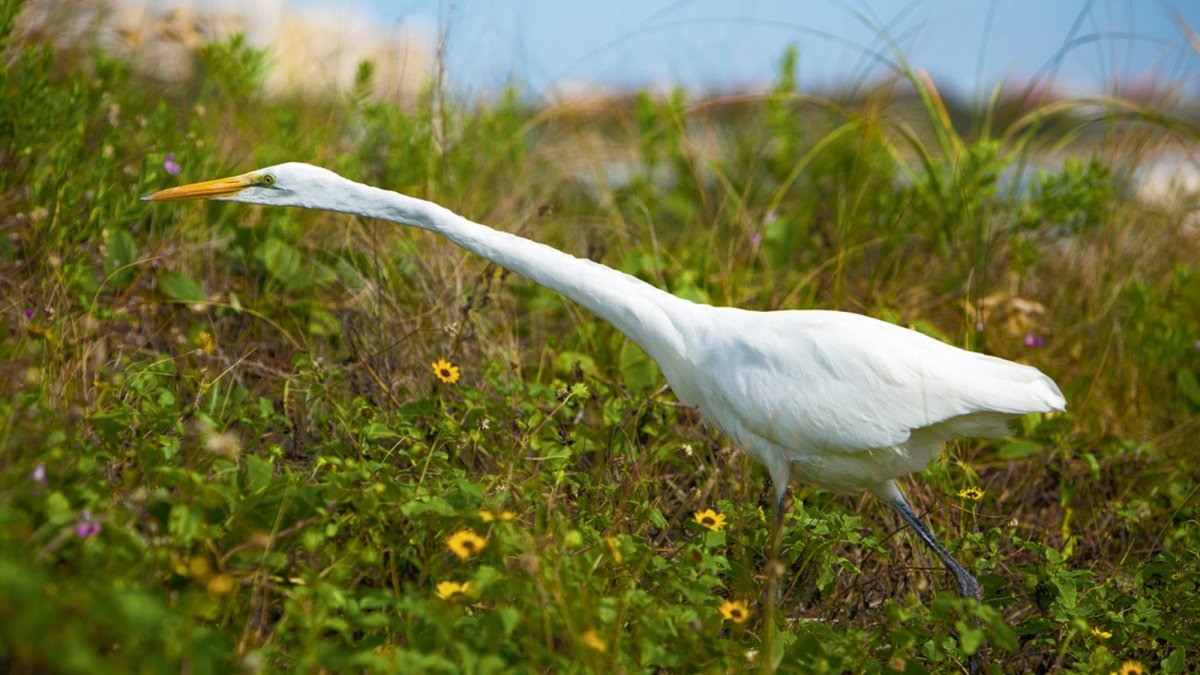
969, 46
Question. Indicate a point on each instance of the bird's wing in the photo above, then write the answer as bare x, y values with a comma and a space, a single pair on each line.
840, 382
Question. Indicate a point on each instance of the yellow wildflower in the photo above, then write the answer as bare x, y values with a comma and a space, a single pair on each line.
452, 590
972, 493
592, 639
199, 567
710, 519
1130, 668
220, 584
465, 544
1102, 634
492, 516
205, 340
735, 611
446, 372
40, 332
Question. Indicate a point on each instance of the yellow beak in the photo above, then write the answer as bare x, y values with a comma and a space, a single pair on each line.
221, 187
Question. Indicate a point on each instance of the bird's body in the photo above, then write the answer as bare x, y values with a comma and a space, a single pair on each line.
843, 401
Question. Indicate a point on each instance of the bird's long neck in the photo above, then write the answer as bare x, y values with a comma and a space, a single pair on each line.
649, 316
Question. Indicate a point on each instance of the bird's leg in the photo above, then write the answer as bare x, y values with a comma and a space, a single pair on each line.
968, 587
772, 594
774, 567
780, 468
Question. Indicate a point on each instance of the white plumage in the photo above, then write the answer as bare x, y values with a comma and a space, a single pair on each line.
849, 401
844, 401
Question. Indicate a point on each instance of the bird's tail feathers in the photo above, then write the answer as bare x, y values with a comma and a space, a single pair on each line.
1016, 389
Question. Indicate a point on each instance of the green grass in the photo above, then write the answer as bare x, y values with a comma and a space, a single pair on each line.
242, 398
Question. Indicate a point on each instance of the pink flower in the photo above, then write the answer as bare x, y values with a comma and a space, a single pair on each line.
1034, 341
29, 315
170, 164
87, 525
39, 474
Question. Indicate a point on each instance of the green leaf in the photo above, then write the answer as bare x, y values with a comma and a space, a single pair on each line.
1067, 593
510, 618
657, 518
637, 370
323, 322
111, 423
57, 506
139, 612
181, 287
1176, 662
377, 431
969, 636
435, 505
184, 523
564, 362
1018, 448
258, 472
120, 254
283, 263
1189, 385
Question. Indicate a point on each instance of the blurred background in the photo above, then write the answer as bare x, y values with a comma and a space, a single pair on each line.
549, 49
982, 58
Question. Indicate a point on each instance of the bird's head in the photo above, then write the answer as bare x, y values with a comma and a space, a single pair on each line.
290, 184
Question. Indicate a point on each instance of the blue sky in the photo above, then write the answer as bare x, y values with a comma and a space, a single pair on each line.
967, 45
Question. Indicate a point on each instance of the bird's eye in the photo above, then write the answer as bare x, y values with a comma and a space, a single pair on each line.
268, 179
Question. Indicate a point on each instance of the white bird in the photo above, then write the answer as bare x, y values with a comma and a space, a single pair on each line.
843, 401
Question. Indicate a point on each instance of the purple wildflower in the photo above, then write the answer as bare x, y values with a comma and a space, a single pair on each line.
29, 315
1197, 345
170, 164
87, 526
39, 474
756, 240
1034, 341
979, 326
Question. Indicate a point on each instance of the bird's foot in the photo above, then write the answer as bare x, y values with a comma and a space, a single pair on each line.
968, 587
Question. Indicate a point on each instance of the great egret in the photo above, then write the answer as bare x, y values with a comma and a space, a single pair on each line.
847, 402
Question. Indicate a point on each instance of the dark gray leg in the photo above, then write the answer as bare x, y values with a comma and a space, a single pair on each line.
968, 587
772, 594
781, 470
774, 567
